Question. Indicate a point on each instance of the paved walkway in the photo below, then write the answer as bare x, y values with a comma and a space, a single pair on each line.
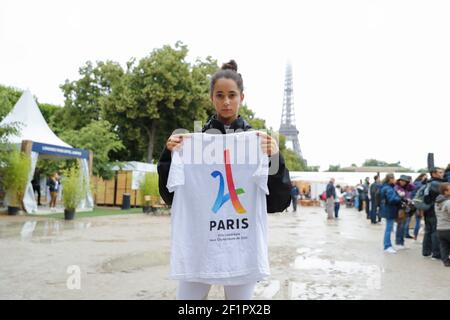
127, 257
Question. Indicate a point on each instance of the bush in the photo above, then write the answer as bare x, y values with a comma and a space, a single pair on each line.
15, 176
74, 188
149, 186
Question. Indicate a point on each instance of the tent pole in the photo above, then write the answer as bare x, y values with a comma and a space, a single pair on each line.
26, 147
91, 159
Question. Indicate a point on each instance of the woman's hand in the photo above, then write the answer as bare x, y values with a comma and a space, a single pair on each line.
269, 144
175, 141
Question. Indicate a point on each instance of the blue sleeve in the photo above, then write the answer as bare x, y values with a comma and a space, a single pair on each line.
392, 197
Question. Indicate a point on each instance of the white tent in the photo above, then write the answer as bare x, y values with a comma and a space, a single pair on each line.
32, 124
33, 127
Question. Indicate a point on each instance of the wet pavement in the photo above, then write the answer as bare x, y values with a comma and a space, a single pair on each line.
127, 257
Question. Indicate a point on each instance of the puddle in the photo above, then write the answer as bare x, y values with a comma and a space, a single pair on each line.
341, 272
33, 229
137, 261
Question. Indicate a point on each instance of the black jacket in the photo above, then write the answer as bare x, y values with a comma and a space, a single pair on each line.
279, 184
432, 195
331, 191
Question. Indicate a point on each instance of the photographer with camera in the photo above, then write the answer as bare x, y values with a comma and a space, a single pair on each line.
404, 189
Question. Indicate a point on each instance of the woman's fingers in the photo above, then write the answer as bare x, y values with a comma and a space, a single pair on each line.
175, 141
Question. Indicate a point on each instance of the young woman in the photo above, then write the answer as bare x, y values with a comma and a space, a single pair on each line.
53, 184
404, 188
227, 94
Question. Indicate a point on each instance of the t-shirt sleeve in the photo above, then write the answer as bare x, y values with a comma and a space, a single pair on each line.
176, 172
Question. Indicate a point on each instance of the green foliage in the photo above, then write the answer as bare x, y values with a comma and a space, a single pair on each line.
99, 137
158, 94
149, 186
334, 168
74, 188
246, 113
82, 97
8, 98
378, 163
15, 176
48, 112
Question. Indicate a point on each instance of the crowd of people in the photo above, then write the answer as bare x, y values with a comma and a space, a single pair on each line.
397, 201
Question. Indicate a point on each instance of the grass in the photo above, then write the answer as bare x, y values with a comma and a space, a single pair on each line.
97, 212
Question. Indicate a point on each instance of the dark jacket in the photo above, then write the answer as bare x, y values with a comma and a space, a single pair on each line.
53, 186
331, 191
390, 202
432, 195
447, 176
375, 189
295, 192
279, 184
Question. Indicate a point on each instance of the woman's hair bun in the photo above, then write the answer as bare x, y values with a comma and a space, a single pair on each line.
232, 65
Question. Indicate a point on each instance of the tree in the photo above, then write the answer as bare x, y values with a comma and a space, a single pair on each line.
8, 98
48, 112
292, 160
100, 138
82, 96
246, 113
378, 163
159, 94
334, 168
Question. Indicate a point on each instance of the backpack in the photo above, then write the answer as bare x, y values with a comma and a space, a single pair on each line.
323, 196
421, 200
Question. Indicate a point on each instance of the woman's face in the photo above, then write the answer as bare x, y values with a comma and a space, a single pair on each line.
227, 99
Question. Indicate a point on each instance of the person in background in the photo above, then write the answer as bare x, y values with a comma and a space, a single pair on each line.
53, 184
331, 195
390, 204
418, 183
356, 197
360, 190
294, 196
404, 188
442, 209
36, 185
430, 244
375, 200
337, 201
447, 173
366, 199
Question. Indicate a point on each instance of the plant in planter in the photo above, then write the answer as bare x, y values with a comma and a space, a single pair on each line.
15, 179
149, 192
74, 190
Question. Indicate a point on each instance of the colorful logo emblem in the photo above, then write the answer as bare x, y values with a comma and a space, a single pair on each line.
233, 193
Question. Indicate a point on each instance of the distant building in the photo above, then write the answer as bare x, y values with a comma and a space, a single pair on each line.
375, 169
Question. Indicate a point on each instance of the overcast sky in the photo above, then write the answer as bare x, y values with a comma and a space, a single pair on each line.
371, 78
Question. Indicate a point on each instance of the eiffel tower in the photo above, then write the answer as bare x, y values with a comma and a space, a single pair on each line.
288, 127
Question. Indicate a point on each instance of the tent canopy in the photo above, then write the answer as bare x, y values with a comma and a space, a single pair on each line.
34, 130
32, 125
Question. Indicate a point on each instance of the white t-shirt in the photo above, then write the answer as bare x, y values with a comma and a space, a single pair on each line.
219, 211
